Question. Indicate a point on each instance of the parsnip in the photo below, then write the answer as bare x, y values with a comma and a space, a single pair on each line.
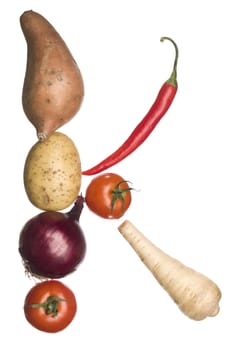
196, 295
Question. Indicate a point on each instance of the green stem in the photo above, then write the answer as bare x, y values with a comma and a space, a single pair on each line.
118, 194
173, 77
50, 305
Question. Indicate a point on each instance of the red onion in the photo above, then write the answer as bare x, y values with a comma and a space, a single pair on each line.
52, 244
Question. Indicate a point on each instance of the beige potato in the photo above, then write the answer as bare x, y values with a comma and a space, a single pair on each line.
52, 173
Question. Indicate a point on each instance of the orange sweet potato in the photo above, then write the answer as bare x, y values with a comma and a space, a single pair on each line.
53, 87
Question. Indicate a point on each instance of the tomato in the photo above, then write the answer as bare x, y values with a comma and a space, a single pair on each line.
50, 306
108, 196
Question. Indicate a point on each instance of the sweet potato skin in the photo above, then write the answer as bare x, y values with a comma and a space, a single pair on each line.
53, 87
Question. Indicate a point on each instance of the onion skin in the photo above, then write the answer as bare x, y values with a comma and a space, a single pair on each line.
52, 244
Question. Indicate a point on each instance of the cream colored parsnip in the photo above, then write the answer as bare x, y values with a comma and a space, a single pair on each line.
52, 173
196, 295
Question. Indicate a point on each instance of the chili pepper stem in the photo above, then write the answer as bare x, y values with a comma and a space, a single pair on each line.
173, 77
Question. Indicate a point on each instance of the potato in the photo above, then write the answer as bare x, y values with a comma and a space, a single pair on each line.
53, 87
52, 173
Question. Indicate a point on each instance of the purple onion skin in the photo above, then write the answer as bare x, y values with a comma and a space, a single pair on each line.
52, 244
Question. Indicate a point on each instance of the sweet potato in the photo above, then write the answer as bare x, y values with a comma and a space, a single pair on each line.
53, 87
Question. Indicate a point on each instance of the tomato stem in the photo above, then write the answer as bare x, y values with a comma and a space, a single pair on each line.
118, 194
50, 305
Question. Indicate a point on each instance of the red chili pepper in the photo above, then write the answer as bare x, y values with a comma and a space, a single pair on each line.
160, 106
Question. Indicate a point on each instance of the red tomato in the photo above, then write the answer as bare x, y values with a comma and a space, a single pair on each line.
108, 196
50, 306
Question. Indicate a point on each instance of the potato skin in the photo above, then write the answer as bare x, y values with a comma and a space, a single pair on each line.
53, 87
52, 173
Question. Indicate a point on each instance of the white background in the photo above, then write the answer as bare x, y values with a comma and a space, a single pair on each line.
187, 170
